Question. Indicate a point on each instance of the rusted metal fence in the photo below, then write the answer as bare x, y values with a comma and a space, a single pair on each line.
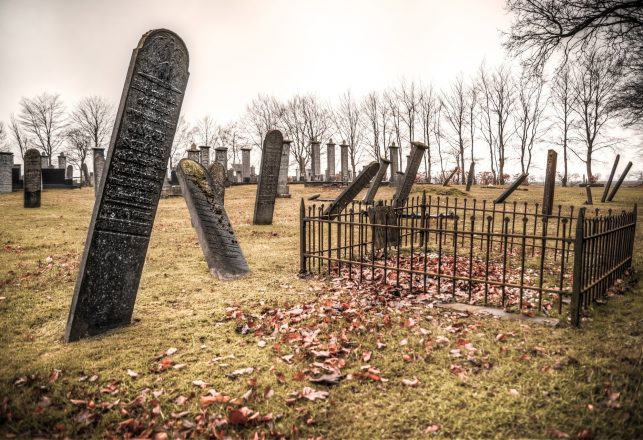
464, 250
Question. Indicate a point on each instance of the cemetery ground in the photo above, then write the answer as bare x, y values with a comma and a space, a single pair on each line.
206, 357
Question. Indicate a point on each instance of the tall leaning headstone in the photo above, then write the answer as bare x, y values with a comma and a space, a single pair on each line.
351, 191
404, 188
121, 224
6, 173
269, 178
99, 165
471, 175
204, 197
33, 178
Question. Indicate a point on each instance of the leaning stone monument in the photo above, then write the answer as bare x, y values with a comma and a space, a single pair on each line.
377, 181
124, 211
514, 186
351, 191
404, 187
269, 178
33, 179
203, 196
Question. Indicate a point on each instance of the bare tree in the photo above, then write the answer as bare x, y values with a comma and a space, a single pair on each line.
3, 136
264, 113
438, 136
428, 106
44, 118
486, 116
19, 136
561, 96
94, 116
595, 80
231, 137
395, 112
408, 97
528, 117
472, 106
347, 118
455, 106
79, 144
205, 130
543, 27
376, 123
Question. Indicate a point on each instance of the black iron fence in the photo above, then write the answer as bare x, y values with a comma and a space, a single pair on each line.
506, 255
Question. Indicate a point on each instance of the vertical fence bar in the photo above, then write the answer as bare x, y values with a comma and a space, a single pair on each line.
579, 242
562, 267
302, 237
505, 237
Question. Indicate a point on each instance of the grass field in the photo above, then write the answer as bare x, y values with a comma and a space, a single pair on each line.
408, 369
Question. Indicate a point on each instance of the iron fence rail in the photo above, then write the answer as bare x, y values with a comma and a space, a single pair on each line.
506, 255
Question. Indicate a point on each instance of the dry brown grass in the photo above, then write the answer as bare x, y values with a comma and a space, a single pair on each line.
181, 305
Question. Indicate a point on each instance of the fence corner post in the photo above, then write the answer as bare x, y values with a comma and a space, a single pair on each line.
302, 237
423, 219
579, 241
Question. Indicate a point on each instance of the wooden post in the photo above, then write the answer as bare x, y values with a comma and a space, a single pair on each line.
619, 182
609, 181
550, 183
579, 240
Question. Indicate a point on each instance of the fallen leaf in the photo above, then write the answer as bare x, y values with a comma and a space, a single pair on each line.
514, 392
367, 356
240, 372
311, 394
181, 400
558, 434
411, 382
132, 373
328, 379
170, 351
200, 383
431, 429
54, 375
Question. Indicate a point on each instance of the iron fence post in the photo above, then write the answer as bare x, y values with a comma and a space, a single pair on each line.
579, 241
302, 237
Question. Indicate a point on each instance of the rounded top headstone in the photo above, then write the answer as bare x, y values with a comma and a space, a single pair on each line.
330, 142
393, 145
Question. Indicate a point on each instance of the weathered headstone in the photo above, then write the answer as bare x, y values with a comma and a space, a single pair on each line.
450, 176
84, 175
33, 179
69, 173
343, 152
205, 156
193, 153
330, 160
269, 178
609, 181
99, 165
506, 193
550, 183
282, 186
6, 165
62, 161
404, 188
619, 182
123, 215
16, 182
377, 181
394, 156
44, 160
315, 165
221, 156
351, 191
471, 175
383, 236
210, 220
219, 178
245, 164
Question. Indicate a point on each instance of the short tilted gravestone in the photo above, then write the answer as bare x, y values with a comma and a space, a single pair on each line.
351, 191
33, 178
471, 175
619, 182
404, 188
124, 212
377, 181
219, 179
268, 179
84, 175
514, 186
610, 179
210, 220
99, 166
450, 176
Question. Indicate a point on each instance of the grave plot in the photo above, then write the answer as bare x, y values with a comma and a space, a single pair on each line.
510, 256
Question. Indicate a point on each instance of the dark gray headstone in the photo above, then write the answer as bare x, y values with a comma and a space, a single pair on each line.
383, 236
351, 191
450, 176
209, 218
123, 215
33, 178
506, 193
84, 175
404, 188
173, 179
550, 183
619, 182
471, 175
377, 181
219, 179
269, 178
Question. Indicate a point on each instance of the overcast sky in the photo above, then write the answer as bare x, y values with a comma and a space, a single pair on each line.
244, 47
